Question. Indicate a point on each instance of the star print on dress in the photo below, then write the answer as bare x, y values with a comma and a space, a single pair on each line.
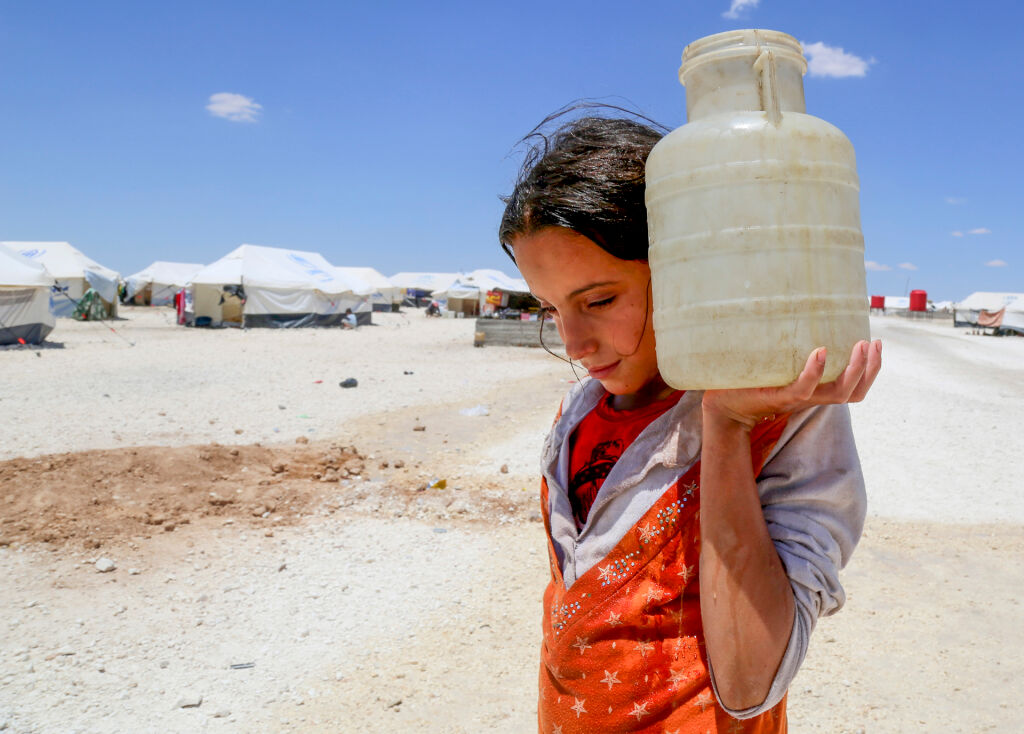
611, 679
654, 594
605, 572
677, 675
639, 710
644, 647
687, 573
578, 707
646, 533
581, 644
704, 700
614, 619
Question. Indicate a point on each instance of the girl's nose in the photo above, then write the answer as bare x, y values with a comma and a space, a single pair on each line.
579, 341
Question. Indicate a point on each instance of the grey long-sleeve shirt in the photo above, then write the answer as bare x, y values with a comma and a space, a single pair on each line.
811, 489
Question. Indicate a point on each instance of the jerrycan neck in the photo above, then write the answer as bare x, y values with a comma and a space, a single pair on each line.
755, 70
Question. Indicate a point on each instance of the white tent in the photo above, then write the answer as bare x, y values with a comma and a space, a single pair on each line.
969, 311
469, 293
419, 286
271, 286
25, 313
74, 272
385, 294
156, 284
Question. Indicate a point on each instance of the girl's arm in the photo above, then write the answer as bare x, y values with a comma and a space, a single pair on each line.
747, 602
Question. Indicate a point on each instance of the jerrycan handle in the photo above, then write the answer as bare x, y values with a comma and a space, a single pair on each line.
764, 67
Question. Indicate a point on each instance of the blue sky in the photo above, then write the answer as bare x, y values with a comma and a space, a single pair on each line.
382, 133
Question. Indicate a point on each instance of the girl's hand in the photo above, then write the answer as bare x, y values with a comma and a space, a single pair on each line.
749, 406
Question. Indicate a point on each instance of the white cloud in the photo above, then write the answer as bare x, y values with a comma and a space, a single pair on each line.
907, 266
877, 267
737, 6
956, 233
956, 200
832, 61
980, 230
996, 263
234, 107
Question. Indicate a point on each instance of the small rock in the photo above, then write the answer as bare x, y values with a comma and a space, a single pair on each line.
399, 464
164, 664
105, 565
222, 713
134, 571
239, 431
189, 701
349, 382
302, 439
169, 527
419, 428
504, 468
282, 567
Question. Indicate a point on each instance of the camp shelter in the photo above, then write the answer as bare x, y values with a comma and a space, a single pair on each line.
74, 273
25, 313
482, 292
417, 288
156, 284
385, 295
256, 286
991, 310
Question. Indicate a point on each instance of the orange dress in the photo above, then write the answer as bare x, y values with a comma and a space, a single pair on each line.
623, 647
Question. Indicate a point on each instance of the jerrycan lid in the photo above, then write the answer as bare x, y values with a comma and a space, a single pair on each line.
739, 43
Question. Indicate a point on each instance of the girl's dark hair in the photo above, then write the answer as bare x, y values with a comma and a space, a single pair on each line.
587, 176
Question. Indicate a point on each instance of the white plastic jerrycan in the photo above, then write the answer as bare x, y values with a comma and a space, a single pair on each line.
756, 251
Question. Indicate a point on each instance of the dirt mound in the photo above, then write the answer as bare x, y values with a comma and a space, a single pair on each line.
97, 497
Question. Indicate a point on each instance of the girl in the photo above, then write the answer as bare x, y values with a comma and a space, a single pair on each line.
694, 539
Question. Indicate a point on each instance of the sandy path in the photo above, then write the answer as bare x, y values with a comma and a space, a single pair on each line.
371, 609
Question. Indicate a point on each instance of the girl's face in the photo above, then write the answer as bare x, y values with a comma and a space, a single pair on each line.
601, 305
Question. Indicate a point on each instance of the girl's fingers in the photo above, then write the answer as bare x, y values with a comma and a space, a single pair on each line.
874, 365
803, 387
840, 390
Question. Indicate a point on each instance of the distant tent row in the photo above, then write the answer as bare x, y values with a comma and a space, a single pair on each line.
250, 286
991, 310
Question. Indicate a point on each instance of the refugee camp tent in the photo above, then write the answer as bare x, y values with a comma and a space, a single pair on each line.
385, 296
156, 284
991, 310
274, 287
481, 292
25, 313
418, 288
74, 274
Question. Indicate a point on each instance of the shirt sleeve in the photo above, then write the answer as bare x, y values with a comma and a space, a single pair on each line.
814, 503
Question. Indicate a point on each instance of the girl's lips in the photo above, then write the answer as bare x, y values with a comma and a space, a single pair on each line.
600, 372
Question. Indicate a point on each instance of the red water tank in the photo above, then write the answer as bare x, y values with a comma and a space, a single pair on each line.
877, 301
918, 301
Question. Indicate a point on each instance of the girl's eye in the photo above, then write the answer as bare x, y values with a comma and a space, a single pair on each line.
602, 303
